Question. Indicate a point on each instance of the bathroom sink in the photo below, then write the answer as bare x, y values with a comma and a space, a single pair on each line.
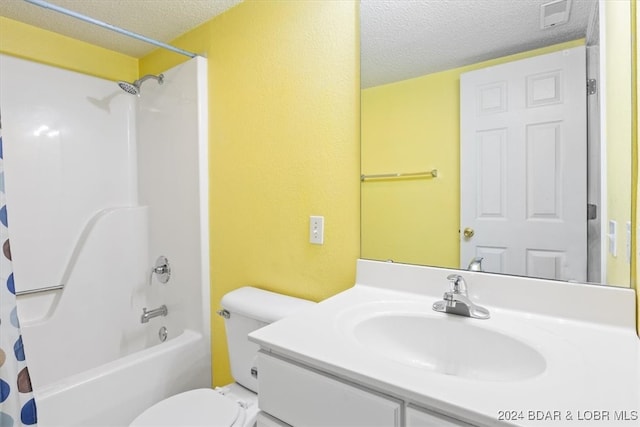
448, 346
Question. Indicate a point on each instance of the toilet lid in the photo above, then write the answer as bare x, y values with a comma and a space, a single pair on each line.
201, 407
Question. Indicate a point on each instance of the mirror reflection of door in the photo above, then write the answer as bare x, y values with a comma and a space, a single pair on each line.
413, 54
523, 166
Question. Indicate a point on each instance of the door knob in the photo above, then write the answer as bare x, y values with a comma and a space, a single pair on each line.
468, 232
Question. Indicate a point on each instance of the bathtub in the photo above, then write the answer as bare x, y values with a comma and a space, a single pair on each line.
113, 394
91, 360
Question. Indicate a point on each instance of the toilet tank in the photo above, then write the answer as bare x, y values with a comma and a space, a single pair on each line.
250, 309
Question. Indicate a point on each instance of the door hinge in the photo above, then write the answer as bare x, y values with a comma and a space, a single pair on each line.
592, 211
592, 86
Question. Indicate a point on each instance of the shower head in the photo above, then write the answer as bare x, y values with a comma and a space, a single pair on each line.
129, 88
134, 88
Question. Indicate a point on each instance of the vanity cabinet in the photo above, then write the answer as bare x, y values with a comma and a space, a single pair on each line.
300, 396
291, 394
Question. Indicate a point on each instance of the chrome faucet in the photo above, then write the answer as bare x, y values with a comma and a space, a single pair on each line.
457, 301
148, 315
475, 264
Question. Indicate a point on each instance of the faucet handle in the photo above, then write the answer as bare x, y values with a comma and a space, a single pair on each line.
457, 284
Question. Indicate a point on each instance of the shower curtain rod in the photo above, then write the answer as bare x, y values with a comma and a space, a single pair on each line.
102, 24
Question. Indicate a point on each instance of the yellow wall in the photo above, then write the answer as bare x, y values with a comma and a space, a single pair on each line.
28, 42
411, 126
284, 145
618, 131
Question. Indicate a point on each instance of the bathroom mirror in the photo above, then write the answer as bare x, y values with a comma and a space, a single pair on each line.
412, 56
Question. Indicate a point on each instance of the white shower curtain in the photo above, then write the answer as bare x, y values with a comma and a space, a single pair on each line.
17, 406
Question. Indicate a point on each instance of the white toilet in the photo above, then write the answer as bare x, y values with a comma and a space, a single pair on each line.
235, 405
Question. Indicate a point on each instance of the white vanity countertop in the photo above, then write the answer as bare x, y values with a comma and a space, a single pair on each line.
592, 373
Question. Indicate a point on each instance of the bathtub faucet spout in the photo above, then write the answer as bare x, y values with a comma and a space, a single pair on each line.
147, 315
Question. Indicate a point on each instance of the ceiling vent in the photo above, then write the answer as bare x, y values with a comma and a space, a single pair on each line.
554, 13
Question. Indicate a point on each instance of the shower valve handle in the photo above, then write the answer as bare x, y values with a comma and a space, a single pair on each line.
162, 269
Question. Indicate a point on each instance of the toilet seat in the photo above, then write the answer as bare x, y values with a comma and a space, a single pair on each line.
201, 407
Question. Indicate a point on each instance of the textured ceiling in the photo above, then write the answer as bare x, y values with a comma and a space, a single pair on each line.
402, 39
163, 20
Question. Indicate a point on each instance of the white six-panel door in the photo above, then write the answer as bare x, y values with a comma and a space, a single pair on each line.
523, 166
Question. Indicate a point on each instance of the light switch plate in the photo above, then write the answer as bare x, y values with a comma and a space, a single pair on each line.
316, 230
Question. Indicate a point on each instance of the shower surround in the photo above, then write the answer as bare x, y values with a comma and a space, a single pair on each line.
100, 183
